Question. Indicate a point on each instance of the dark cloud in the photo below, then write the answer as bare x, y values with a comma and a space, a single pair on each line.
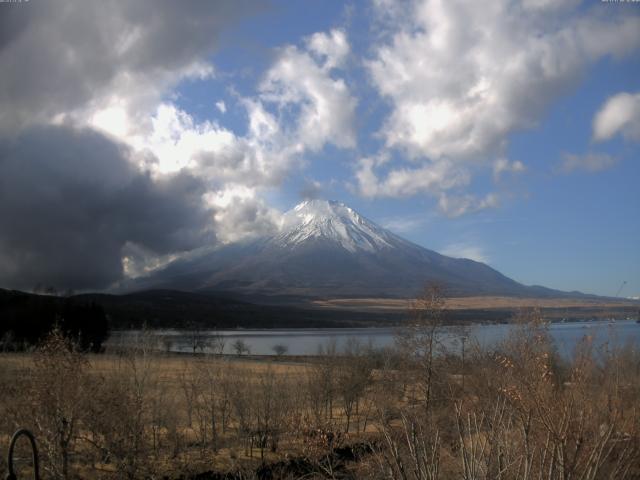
71, 202
57, 55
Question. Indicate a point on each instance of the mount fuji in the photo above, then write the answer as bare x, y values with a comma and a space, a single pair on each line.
326, 249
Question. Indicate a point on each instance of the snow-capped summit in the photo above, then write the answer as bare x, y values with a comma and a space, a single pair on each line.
331, 221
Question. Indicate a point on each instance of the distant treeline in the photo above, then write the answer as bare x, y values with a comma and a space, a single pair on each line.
88, 317
25, 319
176, 309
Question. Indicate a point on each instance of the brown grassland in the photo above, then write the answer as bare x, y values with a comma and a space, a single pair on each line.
483, 302
412, 412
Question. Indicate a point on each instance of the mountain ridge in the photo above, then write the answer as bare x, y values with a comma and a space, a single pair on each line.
326, 248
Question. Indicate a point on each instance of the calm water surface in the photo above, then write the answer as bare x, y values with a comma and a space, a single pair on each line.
308, 341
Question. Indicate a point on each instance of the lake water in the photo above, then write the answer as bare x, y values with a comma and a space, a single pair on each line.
308, 341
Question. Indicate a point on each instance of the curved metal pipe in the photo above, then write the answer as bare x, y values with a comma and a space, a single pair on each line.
23, 431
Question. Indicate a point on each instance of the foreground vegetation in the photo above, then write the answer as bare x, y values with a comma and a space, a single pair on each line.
412, 412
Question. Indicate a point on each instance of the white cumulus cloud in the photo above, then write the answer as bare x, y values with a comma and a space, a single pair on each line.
461, 76
304, 88
458, 205
502, 166
301, 105
332, 48
400, 182
620, 114
458, 88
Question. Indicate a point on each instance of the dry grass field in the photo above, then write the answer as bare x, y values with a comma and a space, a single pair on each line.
463, 303
191, 413
414, 412
175, 383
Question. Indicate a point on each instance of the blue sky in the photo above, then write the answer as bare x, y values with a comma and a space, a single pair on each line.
578, 230
506, 132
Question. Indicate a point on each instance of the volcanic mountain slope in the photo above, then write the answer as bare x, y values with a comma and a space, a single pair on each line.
325, 248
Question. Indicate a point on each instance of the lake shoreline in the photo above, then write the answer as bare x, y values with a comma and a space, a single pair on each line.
307, 342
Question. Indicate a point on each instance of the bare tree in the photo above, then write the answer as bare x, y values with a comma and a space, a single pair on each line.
217, 343
353, 377
241, 347
419, 338
211, 400
321, 384
270, 410
280, 349
58, 396
240, 397
120, 412
187, 382
196, 338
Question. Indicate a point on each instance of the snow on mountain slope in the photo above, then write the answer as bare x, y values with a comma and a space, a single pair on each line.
334, 221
